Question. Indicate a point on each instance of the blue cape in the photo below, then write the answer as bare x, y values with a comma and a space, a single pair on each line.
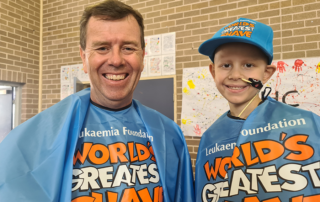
273, 155
37, 156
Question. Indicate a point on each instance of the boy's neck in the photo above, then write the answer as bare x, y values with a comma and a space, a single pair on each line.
235, 110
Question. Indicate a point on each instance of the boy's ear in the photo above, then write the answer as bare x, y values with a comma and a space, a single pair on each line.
270, 69
211, 68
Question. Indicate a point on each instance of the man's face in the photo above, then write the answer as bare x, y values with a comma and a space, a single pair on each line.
234, 61
113, 58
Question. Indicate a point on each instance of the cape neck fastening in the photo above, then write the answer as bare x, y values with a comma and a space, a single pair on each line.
258, 85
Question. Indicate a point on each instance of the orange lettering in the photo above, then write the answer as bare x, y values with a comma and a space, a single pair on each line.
235, 158
112, 196
248, 34
297, 199
145, 195
315, 198
222, 170
256, 199
104, 152
141, 148
251, 199
117, 151
83, 199
131, 152
235, 33
210, 171
95, 197
275, 150
85, 151
276, 199
302, 151
130, 195
245, 24
246, 150
158, 194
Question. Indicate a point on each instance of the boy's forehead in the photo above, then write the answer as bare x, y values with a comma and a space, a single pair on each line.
241, 49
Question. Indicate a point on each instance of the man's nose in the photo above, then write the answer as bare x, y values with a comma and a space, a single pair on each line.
115, 57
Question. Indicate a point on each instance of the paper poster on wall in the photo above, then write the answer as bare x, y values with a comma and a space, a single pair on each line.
168, 64
65, 91
147, 45
154, 64
68, 73
296, 82
155, 45
202, 103
144, 73
169, 43
65, 74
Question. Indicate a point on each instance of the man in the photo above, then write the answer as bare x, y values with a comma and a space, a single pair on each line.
99, 145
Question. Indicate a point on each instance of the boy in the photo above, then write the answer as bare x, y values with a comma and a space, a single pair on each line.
261, 150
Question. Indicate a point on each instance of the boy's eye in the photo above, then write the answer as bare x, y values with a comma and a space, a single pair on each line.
226, 65
248, 65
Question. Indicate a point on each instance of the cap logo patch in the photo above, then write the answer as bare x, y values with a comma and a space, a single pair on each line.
239, 29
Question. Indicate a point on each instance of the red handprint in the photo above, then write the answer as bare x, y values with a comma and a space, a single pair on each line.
298, 65
281, 66
197, 130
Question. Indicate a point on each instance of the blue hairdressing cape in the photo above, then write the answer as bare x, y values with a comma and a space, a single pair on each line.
272, 156
36, 158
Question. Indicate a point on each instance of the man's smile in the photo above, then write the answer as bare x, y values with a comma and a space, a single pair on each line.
115, 77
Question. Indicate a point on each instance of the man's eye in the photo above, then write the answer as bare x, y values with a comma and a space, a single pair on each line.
226, 65
101, 48
248, 65
128, 49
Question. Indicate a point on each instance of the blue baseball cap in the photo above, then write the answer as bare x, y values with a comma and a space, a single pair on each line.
242, 30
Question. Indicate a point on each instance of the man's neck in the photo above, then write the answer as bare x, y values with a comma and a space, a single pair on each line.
235, 110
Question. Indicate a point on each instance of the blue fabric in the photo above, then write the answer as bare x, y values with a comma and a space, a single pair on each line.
241, 30
37, 157
275, 157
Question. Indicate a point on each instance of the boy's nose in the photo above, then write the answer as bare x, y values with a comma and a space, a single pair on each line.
115, 58
235, 73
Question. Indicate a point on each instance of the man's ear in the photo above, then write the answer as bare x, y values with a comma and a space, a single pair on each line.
269, 71
83, 58
211, 69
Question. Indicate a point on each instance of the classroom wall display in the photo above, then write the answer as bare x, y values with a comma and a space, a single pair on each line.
160, 55
296, 82
68, 73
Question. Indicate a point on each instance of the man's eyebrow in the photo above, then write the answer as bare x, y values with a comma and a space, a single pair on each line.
131, 42
100, 43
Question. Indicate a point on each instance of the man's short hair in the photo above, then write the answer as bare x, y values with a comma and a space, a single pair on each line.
109, 10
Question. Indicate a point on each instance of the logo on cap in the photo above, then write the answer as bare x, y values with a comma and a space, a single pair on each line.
239, 29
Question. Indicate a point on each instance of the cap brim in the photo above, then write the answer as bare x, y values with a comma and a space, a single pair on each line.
208, 47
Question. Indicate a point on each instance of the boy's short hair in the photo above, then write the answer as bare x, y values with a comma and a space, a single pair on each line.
242, 30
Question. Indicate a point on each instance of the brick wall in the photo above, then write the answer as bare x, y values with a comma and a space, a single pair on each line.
296, 26
19, 49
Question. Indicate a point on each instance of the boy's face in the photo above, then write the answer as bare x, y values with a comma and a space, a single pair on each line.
234, 61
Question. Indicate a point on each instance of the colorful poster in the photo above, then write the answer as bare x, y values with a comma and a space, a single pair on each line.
65, 91
65, 74
144, 73
155, 45
147, 45
154, 64
169, 43
168, 64
202, 103
296, 82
